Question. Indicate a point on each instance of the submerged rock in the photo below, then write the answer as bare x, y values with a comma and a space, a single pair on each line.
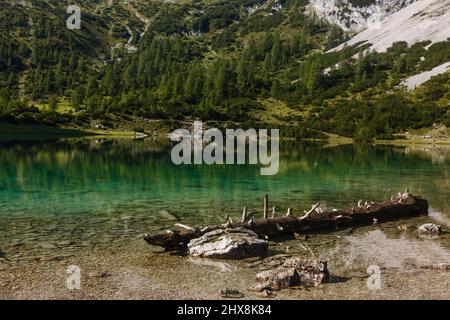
237, 243
403, 228
294, 272
429, 231
168, 216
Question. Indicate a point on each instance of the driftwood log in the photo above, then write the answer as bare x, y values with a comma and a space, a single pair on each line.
404, 206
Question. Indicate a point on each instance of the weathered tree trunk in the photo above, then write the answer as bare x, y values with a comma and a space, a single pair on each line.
407, 206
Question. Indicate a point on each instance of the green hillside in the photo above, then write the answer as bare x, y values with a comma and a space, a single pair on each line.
258, 63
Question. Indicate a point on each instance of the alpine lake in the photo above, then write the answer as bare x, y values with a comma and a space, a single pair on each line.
87, 202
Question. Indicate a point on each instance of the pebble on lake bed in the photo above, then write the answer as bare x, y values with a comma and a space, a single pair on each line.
429, 231
403, 228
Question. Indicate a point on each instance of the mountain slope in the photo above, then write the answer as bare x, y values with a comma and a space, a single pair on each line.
357, 15
424, 20
255, 62
419, 79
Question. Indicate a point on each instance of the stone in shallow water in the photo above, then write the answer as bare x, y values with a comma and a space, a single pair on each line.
167, 215
279, 278
237, 243
294, 272
429, 231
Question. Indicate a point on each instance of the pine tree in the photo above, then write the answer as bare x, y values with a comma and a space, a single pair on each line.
59, 77
52, 104
243, 77
313, 77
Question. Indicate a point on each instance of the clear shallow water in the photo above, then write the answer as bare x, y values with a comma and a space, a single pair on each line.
60, 198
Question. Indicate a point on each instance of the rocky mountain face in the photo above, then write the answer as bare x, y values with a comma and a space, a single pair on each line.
423, 20
357, 15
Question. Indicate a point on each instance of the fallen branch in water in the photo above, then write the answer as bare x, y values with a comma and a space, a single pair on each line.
406, 206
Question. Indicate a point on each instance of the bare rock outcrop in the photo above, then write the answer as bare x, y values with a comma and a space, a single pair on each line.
356, 16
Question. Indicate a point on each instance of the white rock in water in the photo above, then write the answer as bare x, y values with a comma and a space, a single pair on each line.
237, 243
429, 230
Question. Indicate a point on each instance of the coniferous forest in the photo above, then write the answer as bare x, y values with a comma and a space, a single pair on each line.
254, 62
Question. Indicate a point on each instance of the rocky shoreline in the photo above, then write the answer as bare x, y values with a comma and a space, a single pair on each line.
411, 268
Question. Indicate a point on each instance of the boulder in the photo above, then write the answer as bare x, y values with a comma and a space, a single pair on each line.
293, 272
279, 278
236, 243
311, 272
429, 231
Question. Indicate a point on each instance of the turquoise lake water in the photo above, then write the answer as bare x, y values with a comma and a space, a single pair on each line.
88, 193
